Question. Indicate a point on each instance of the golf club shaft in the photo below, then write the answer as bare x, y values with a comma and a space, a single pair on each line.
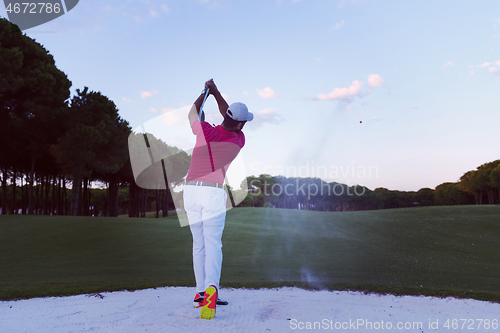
200, 115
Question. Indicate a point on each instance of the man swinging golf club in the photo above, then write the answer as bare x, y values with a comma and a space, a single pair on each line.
204, 194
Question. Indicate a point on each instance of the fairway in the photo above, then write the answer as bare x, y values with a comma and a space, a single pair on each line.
431, 251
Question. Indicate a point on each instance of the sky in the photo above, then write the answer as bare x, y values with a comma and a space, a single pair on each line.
395, 94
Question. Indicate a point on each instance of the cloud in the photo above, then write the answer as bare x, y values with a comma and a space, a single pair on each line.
267, 93
153, 12
127, 100
170, 117
339, 24
146, 94
141, 12
343, 93
107, 8
347, 95
165, 9
488, 64
375, 80
492, 67
448, 64
266, 112
268, 115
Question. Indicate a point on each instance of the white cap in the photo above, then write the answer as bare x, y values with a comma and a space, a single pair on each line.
239, 112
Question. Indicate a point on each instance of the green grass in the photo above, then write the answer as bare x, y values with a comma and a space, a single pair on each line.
152, 215
438, 251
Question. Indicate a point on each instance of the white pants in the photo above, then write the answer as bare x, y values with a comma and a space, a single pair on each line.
206, 211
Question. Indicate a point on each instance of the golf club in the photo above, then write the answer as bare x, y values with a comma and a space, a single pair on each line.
201, 115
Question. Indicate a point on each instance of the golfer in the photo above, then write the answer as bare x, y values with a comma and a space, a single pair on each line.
204, 194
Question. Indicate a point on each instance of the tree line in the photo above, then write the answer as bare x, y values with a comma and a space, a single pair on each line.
53, 147
481, 186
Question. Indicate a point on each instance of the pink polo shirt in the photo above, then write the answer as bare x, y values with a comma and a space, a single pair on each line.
213, 152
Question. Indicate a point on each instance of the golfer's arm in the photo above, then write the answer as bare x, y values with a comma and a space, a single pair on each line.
221, 102
195, 109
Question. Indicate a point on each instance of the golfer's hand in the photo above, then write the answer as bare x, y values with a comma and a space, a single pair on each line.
211, 85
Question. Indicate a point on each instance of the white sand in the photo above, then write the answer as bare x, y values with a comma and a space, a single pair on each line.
276, 310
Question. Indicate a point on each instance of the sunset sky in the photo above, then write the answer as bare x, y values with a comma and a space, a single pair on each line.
395, 94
